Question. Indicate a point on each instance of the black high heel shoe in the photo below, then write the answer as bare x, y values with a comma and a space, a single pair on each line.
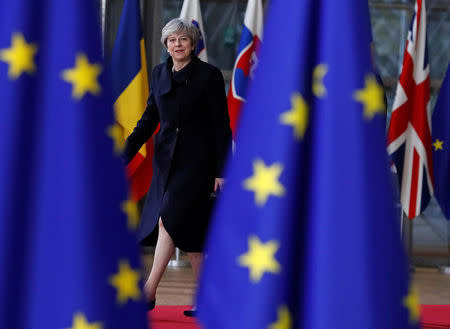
190, 313
151, 305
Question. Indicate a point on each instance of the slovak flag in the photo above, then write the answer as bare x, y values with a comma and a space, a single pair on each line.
409, 134
192, 12
246, 60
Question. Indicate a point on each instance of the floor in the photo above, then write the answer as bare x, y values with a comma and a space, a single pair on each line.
178, 286
433, 286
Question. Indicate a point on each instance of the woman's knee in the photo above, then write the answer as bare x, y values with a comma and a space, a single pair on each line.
161, 226
162, 230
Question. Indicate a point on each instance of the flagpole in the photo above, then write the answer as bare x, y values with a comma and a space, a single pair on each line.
412, 268
445, 269
103, 22
402, 219
177, 262
406, 229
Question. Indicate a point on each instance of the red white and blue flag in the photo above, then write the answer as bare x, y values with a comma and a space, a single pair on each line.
192, 12
409, 134
246, 60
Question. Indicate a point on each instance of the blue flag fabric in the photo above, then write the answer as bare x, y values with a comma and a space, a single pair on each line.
130, 92
67, 258
441, 147
305, 234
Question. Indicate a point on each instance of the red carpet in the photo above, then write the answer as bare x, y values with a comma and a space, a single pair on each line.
435, 316
171, 317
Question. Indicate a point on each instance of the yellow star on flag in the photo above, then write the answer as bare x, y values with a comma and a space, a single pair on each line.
284, 319
126, 281
318, 87
20, 56
411, 302
265, 181
372, 97
297, 116
116, 133
131, 209
438, 145
79, 322
83, 77
260, 258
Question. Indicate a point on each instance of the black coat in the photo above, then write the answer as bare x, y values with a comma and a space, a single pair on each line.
190, 149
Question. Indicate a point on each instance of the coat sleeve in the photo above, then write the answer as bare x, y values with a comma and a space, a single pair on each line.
217, 102
144, 129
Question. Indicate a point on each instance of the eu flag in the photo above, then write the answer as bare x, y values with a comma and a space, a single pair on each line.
441, 147
305, 234
67, 256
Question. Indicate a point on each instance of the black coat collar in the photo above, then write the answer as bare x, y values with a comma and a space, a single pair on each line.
165, 82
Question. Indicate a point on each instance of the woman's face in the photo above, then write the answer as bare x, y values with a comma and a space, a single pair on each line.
179, 47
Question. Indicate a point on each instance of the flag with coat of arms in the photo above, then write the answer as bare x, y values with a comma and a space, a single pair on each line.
192, 12
246, 61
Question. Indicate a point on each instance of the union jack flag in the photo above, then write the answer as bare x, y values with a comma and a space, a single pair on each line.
409, 134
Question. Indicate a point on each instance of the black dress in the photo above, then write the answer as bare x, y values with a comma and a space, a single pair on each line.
190, 149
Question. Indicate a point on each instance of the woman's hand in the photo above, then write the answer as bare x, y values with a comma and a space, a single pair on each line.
219, 183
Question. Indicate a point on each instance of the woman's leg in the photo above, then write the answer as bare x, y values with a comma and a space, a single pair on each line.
196, 259
163, 252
